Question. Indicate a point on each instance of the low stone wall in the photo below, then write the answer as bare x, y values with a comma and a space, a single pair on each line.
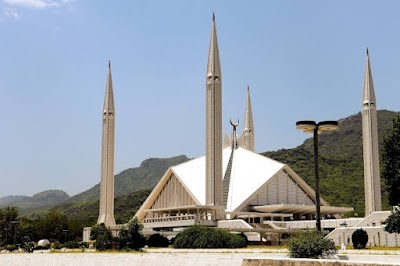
304, 262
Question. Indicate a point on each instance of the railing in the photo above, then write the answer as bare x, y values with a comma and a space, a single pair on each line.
180, 220
170, 218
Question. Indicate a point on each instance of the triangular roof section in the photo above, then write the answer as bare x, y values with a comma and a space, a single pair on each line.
158, 189
193, 174
249, 172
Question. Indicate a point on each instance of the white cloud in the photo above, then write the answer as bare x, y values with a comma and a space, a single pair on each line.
11, 13
38, 4
11, 9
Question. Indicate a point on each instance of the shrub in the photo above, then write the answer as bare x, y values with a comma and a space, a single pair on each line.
72, 244
11, 247
310, 244
157, 240
104, 241
131, 236
83, 245
359, 238
56, 245
41, 247
206, 237
102, 235
393, 222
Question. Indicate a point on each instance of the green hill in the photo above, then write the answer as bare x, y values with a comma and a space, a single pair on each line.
341, 161
87, 212
4, 201
130, 180
39, 201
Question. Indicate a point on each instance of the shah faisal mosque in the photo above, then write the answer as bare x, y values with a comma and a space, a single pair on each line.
235, 188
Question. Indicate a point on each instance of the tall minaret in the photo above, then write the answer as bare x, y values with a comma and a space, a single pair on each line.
248, 130
372, 184
213, 123
106, 212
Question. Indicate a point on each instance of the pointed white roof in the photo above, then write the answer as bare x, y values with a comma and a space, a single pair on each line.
249, 172
193, 174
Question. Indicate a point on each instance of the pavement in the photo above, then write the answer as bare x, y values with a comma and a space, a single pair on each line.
181, 257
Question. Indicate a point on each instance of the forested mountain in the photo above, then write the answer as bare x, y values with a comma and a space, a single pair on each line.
87, 212
130, 180
42, 200
4, 201
341, 161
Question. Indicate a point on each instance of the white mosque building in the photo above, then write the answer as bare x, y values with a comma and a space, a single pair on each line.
233, 187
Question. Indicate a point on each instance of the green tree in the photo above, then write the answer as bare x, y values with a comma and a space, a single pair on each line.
310, 244
391, 162
8, 225
131, 236
359, 238
102, 235
26, 231
50, 226
393, 222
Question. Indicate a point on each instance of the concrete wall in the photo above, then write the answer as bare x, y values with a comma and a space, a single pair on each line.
377, 236
375, 219
303, 262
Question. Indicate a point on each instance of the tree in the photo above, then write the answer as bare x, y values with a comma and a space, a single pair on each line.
359, 238
8, 224
50, 226
102, 235
393, 222
391, 162
131, 236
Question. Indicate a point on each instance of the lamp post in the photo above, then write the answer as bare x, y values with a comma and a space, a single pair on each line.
15, 229
315, 128
5, 242
65, 235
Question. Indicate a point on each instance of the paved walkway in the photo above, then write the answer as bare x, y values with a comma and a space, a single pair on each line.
179, 257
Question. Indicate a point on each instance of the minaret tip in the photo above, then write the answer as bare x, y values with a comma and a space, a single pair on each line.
367, 50
248, 88
109, 63
213, 18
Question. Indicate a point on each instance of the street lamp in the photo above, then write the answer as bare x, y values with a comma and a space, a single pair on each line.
15, 230
5, 242
65, 235
315, 128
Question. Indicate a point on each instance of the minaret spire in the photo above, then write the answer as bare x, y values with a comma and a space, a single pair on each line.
213, 123
106, 210
248, 124
246, 140
370, 144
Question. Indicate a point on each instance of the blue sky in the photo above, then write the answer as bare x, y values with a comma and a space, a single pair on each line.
302, 59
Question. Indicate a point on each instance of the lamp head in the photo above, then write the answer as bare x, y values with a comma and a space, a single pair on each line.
328, 125
306, 126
